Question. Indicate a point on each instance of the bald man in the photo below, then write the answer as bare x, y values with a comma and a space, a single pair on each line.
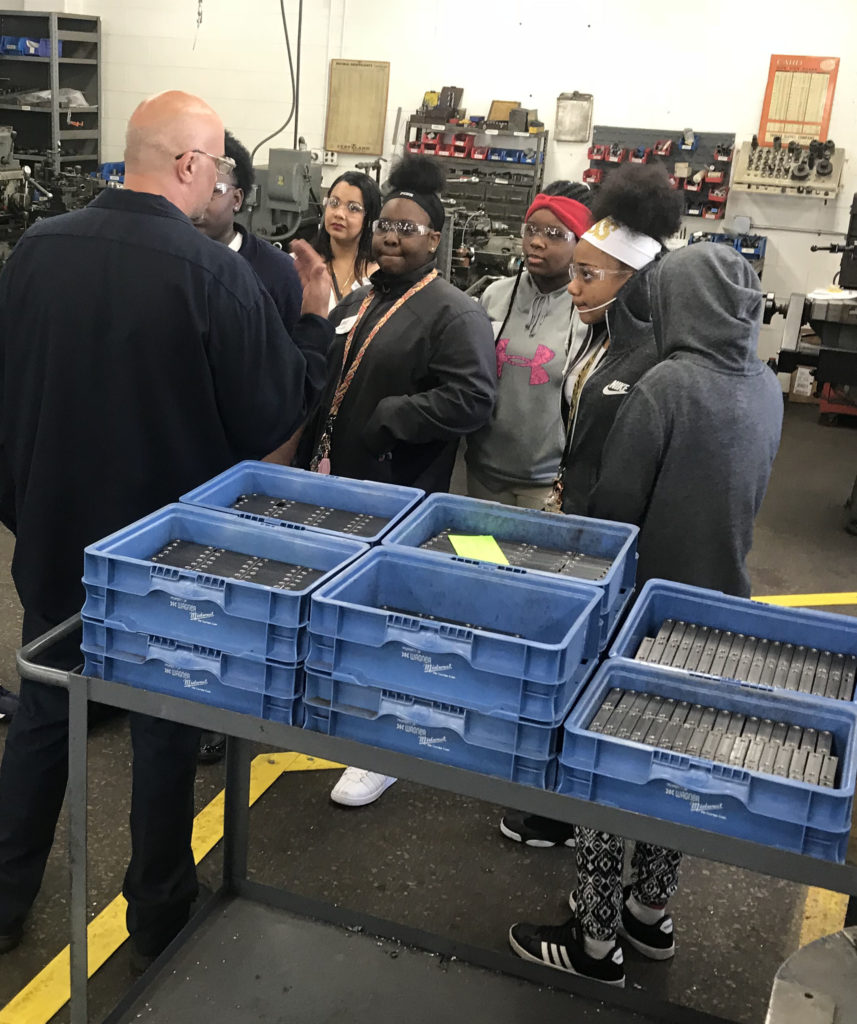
138, 358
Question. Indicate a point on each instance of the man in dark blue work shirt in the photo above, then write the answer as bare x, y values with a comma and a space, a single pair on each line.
137, 359
274, 268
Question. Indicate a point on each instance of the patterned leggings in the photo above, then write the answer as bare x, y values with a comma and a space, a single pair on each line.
600, 856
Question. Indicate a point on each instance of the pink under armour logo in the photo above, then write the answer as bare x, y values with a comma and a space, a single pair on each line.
537, 374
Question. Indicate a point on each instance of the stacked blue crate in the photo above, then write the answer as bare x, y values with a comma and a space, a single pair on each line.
377, 507
219, 640
474, 665
616, 542
782, 812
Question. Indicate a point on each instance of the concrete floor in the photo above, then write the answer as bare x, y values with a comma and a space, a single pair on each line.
438, 862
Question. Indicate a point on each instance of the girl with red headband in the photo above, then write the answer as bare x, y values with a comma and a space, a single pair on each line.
514, 458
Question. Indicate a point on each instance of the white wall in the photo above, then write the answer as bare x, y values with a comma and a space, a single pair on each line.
648, 63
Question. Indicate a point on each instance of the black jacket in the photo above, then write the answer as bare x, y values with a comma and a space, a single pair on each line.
277, 272
630, 354
689, 456
428, 379
138, 358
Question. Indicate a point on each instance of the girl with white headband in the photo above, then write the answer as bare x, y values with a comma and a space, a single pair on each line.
634, 211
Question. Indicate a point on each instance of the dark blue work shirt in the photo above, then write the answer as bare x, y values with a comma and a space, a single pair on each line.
276, 270
138, 358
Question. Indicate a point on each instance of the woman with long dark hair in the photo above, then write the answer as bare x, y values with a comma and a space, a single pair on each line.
344, 238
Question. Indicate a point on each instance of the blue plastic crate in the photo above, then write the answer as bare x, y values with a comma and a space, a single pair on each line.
386, 501
691, 791
596, 537
660, 600
254, 686
400, 619
493, 744
126, 590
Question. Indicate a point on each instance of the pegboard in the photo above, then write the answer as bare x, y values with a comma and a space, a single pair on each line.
708, 200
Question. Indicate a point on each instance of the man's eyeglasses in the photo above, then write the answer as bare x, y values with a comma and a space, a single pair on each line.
549, 233
221, 188
224, 164
334, 202
583, 272
405, 228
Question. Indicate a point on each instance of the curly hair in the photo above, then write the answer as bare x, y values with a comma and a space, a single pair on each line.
371, 209
571, 190
640, 198
420, 174
243, 173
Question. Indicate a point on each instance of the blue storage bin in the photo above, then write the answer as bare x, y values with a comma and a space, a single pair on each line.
254, 686
386, 501
399, 619
127, 591
493, 744
660, 600
28, 47
9, 44
45, 48
596, 537
691, 791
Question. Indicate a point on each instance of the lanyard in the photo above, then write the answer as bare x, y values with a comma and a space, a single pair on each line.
321, 459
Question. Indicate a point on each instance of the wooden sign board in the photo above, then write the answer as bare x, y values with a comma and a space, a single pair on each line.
357, 106
798, 99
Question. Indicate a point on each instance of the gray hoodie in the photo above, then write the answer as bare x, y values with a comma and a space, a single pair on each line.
689, 455
523, 441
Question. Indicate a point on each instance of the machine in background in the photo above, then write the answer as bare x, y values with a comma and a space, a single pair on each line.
285, 202
33, 190
834, 321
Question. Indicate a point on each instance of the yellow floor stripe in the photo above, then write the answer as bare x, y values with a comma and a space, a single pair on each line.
823, 914
809, 600
49, 991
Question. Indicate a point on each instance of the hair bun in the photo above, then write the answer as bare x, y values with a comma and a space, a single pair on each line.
421, 175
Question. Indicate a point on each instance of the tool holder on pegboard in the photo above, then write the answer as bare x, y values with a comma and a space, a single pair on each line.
699, 163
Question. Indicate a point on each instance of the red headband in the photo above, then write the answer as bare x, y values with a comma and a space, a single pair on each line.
573, 214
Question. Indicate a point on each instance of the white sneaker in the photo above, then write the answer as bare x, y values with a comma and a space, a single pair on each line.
358, 787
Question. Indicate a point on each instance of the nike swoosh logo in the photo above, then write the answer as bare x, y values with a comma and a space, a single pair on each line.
616, 387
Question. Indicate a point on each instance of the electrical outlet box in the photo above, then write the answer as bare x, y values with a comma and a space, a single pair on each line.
330, 159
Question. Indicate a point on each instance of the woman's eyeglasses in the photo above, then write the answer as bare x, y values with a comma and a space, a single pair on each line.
405, 228
583, 272
334, 202
549, 233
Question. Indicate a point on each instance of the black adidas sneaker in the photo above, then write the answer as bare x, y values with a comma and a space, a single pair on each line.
656, 941
534, 830
561, 947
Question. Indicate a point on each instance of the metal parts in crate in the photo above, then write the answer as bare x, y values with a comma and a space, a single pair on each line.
531, 539
752, 762
704, 631
743, 741
295, 498
720, 652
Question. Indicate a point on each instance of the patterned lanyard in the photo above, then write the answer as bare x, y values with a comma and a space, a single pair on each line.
321, 459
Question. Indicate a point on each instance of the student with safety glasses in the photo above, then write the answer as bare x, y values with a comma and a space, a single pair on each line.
514, 458
634, 211
413, 372
344, 237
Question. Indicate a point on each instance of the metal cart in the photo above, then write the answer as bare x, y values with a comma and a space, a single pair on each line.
242, 909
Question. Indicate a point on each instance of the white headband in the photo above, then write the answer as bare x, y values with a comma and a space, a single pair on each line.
626, 246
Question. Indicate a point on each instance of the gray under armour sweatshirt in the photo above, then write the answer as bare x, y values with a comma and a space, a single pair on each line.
689, 455
522, 443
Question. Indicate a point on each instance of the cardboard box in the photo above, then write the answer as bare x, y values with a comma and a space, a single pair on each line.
802, 386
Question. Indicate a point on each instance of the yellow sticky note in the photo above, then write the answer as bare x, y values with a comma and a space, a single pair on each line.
486, 549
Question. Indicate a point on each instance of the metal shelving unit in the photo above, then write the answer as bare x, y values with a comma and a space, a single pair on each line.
239, 894
46, 133
501, 190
